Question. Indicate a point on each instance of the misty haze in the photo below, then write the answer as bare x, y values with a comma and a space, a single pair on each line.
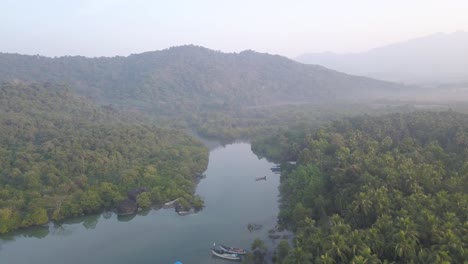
207, 132
437, 58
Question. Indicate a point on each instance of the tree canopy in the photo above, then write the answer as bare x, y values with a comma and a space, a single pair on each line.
190, 78
377, 189
63, 156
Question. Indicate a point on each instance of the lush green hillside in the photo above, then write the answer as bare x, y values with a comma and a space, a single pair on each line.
255, 122
189, 78
376, 189
62, 156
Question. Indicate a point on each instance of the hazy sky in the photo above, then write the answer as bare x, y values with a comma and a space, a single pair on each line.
122, 27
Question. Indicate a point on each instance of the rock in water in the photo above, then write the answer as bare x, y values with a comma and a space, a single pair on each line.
127, 207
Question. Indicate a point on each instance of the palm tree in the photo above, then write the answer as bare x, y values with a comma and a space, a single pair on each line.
406, 240
326, 259
298, 255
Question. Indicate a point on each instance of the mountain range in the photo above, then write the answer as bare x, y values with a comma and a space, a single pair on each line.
437, 58
190, 78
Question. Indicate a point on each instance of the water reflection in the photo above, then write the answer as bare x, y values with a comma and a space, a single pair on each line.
107, 215
233, 199
125, 218
67, 227
33, 232
91, 222
61, 230
39, 232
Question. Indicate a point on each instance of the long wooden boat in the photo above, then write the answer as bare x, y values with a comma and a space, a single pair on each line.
260, 178
224, 254
233, 250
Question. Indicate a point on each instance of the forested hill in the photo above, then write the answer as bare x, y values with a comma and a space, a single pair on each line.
63, 156
192, 77
388, 189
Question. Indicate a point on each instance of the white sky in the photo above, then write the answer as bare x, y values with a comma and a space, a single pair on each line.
122, 27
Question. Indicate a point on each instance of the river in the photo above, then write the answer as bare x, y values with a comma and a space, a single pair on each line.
233, 199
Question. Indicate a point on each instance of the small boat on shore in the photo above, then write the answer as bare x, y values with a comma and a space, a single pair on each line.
224, 254
171, 203
233, 250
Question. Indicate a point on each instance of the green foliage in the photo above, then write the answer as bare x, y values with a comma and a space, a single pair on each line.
282, 251
258, 244
91, 202
144, 200
227, 96
198, 203
38, 216
109, 194
6, 220
188, 79
62, 156
259, 123
183, 204
257, 256
378, 189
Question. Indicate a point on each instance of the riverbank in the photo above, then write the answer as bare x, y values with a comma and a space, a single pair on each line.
232, 200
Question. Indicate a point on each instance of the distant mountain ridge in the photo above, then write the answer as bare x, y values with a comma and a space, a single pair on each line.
438, 57
189, 78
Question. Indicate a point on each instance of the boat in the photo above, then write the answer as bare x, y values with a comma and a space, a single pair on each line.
260, 178
224, 254
233, 250
171, 203
276, 169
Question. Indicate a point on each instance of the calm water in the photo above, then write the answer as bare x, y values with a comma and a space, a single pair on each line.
233, 199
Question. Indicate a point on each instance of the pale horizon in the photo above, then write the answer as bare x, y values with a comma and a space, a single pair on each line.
119, 28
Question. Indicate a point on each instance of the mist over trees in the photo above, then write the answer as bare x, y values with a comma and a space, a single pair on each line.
437, 58
192, 78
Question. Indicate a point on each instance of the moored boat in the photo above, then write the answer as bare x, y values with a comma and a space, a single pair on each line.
233, 250
260, 178
224, 254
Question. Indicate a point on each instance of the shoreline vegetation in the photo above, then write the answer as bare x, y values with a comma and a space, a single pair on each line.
63, 156
370, 189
